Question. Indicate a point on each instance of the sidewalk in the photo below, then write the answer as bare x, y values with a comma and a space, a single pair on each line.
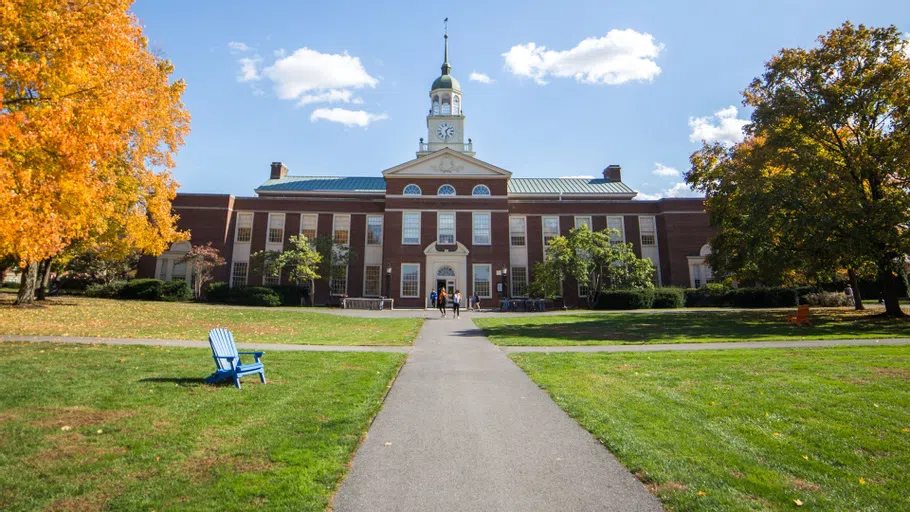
463, 428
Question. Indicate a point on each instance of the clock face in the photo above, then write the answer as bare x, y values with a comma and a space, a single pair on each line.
445, 131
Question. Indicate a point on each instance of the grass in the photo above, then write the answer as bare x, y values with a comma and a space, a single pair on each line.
79, 316
134, 428
686, 327
747, 429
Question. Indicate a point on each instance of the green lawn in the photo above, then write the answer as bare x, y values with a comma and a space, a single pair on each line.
747, 429
134, 428
685, 327
79, 316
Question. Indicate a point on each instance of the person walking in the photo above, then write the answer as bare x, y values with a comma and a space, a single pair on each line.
476, 305
442, 301
849, 293
456, 304
433, 299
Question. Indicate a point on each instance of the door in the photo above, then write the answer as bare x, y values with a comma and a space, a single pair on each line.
441, 285
450, 286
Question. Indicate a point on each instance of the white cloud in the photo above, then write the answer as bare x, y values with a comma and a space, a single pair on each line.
249, 71
677, 190
308, 74
728, 129
279, 52
481, 77
620, 56
580, 177
346, 117
330, 96
662, 170
238, 47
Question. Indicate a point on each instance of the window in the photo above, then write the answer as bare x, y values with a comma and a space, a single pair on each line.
342, 231
410, 228
374, 230
445, 228
276, 228
412, 190
481, 190
179, 272
582, 290
435, 105
550, 230
648, 231
244, 227
410, 280
517, 231
238, 273
339, 281
483, 276
162, 272
446, 190
308, 226
372, 281
583, 221
455, 105
616, 223
267, 279
481, 229
446, 108
519, 281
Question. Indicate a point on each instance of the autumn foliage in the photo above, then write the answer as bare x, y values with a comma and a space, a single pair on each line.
89, 124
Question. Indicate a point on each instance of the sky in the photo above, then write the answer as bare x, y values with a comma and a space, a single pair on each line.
551, 89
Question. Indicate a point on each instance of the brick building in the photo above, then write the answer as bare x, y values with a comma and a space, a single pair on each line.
444, 218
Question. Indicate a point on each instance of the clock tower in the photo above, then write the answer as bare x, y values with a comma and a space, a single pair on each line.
445, 121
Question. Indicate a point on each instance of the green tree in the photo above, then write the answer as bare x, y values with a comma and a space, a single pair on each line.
821, 181
593, 261
301, 260
336, 257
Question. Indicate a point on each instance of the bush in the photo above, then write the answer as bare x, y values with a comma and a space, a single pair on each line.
710, 295
764, 297
828, 299
242, 295
174, 291
218, 291
105, 290
142, 289
625, 299
290, 294
668, 298
74, 283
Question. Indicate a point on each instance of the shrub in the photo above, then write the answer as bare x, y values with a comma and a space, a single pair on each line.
142, 289
764, 297
625, 299
290, 294
710, 295
254, 296
174, 291
105, 290
219, 291
668, 298
828, 299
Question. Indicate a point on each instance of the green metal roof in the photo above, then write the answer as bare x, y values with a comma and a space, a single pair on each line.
568, 186
324, 184
446, 82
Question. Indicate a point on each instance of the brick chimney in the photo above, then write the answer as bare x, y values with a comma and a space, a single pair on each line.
612, 172
280, 171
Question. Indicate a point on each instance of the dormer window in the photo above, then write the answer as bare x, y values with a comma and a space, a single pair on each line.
412, 190
481, 190
446, 190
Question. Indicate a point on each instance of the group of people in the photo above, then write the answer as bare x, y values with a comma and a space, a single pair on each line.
441, 300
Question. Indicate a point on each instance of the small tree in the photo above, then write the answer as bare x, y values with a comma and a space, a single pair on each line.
593, 261
301, 260
202, 260
335, 257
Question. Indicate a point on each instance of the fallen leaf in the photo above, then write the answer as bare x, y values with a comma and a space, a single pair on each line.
157, 458
905, 429
66, 428
702, 493
712, 403
777, 434
100, 431
862, 481
122, 359
388, 444
806, 457
798, 502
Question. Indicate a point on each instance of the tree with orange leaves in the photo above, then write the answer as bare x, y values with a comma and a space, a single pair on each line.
89, 124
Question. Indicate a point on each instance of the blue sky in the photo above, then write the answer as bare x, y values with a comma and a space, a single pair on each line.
341, 87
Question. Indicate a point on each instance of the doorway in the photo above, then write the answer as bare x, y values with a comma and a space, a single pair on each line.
445, 279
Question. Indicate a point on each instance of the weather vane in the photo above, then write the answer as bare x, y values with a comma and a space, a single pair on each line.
446, 22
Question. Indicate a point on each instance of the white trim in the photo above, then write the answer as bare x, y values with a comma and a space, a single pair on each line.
448, 210
401, 294
475, 194
590, 220
347, 272
447, 195
366, 225
512, 281
473, 238
316, 230
381, 270
524, 218
565, 198
237, 226
622, 224
402, 196
261, 192
419, 221
543, 235
454, 226
246, 278
390, 172
411, 195
474, 279
268, 227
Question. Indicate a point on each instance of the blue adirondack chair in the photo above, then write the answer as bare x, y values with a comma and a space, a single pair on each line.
227, 359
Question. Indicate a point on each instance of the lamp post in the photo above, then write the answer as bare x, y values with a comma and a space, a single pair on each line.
505, 271
388, 281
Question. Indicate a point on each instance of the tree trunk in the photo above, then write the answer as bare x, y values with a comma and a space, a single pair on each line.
27, 285
889, 289
44, 277
857, 296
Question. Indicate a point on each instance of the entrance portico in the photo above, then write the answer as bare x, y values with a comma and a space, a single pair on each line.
446, 266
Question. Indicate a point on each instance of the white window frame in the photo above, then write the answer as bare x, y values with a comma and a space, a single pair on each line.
335, 218
378, 279
303, 222
439, 224
641, 231
404, 191
512, 282
439, 190
588, 217
543, 230
474, 215
524, 231
237, 228
246, 274
272, 280
481, 187
268, 232
401, 282
403, 216
622, 228
381, 229
347, 269
489, 267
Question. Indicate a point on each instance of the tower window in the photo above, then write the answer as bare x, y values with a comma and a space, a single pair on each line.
446, 190
446, 108
412, 190
455, 106
436, 106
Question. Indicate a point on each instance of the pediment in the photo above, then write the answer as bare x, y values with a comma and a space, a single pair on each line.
445, 162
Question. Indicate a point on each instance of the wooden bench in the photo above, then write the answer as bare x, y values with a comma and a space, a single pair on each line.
367, 303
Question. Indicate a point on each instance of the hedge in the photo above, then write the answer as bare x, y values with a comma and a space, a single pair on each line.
175, 291
668, 298
290, 294
142, 289
105, 290
764, 297
625, 299
242, 295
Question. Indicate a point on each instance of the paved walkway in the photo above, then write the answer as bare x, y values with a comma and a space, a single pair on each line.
463, 428
276, 347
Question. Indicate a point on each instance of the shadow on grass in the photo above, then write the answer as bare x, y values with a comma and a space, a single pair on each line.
182, 381
658, 328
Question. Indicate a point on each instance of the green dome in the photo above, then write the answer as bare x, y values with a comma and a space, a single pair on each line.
446, 82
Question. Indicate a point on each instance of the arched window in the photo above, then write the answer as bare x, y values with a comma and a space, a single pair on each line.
446, 190
445, 271
412, 190
435, 105
481, 190
705, 250
446, 105
456, 105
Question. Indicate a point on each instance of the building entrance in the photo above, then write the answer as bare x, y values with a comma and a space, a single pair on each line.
445, 279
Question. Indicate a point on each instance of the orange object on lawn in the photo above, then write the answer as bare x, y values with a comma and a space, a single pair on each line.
801, 317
